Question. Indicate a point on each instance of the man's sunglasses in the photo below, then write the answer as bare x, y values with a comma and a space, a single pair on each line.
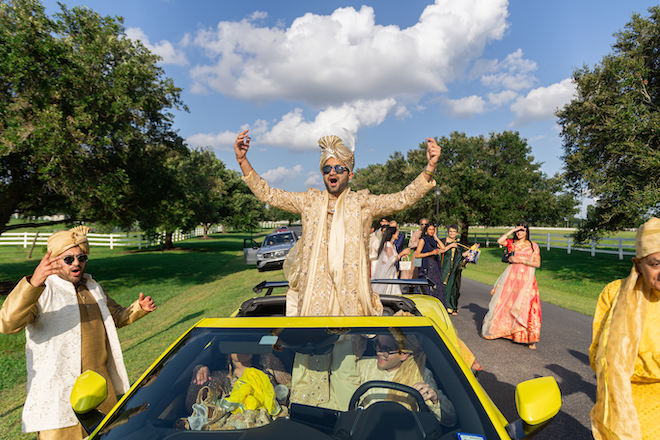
339, 169
82, 258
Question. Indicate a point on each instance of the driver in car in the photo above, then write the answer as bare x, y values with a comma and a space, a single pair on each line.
399, 358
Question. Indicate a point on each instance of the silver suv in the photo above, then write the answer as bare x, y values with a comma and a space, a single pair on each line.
274, 249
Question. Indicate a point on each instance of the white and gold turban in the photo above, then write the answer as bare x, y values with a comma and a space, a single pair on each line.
341, 149
647, 241
62, 241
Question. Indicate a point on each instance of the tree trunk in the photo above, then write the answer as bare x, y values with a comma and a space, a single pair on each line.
464, 225
206, 227
168, 241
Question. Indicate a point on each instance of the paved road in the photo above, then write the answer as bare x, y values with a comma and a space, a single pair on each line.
563, 352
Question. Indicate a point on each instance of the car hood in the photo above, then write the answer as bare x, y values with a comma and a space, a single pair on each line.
275, 248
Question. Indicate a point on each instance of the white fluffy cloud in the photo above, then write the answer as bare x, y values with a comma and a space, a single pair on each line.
327, 60
314, 179
296, 133
498, 99
466, 107
281, 174
514, 72
220, 141
164, 48
541, 103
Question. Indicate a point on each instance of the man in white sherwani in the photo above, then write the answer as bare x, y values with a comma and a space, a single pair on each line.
70, 327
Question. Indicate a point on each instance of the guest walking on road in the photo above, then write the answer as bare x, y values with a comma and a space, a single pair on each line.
452, 266
514, 311
385, 268
428, 250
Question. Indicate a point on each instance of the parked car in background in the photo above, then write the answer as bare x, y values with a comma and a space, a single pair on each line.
272, 252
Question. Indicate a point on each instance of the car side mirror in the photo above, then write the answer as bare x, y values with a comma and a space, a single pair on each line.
89, 391
538, 401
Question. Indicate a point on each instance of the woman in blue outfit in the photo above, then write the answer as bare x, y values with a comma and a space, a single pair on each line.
428, 250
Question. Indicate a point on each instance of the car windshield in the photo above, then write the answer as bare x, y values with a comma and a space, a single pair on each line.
299, 383
271, 240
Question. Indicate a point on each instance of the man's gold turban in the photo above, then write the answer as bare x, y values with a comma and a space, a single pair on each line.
62, 241
333, 146
647, 241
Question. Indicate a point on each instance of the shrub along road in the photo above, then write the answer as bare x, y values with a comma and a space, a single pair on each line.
563, 352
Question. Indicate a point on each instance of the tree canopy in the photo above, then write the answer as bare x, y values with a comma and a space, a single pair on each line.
483, 181
611, 130
84, 117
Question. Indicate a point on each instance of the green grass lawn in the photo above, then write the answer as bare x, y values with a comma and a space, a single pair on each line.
208, 278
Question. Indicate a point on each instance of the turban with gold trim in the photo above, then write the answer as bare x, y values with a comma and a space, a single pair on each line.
62, 241
341, 149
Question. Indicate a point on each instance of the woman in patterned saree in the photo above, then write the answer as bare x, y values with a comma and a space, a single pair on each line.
514, 311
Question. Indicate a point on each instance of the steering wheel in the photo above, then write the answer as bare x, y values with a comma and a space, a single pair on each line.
355, 398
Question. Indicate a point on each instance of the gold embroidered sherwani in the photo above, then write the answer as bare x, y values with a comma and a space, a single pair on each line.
332, 276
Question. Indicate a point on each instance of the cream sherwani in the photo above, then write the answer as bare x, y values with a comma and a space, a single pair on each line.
67, 330
332, 275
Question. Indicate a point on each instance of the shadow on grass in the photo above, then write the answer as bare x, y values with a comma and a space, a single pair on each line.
9, 411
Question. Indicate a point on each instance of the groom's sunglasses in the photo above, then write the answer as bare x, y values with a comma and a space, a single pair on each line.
82, 258
339, 169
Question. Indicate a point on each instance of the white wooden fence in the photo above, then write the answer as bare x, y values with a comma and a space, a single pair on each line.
617, 246
26, 239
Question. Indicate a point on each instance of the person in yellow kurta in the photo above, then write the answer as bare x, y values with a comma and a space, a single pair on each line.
625, 352
328, 270
70, 327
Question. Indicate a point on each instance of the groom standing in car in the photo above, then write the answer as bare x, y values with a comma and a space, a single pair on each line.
330, 272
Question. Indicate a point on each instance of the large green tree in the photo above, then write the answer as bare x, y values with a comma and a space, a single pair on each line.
482, 181
611, 130
84, 117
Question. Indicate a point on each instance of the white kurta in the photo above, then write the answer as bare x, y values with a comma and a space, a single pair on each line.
53, 355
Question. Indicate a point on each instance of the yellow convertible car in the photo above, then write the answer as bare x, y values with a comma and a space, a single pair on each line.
260, 375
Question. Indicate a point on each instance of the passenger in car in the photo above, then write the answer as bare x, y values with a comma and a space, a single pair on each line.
222, 381
401, 359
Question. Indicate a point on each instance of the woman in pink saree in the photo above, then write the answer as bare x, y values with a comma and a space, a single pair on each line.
514, 311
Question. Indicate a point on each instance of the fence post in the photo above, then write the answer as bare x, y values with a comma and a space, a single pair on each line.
25, 237
620, 249
140, 241
568, 244
548, 245
593, 248
487, 240
112, 242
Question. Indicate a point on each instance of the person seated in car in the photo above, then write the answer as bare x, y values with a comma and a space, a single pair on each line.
222, 381
399, 358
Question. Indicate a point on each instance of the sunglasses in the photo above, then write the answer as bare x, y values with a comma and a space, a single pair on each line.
339, 169
386, 350
82, 258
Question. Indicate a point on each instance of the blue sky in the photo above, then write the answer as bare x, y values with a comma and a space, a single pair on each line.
392, 72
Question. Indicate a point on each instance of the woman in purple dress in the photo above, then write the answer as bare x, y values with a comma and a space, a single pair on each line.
428, 250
